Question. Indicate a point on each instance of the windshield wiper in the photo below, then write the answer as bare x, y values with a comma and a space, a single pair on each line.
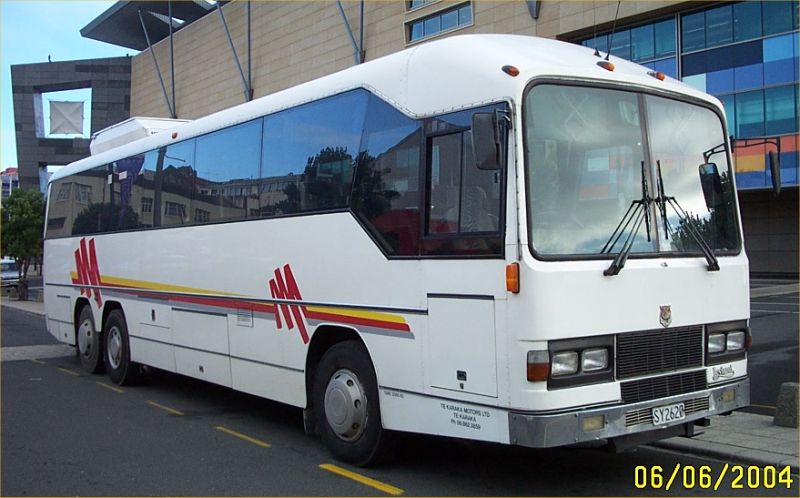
638, 211
661, 201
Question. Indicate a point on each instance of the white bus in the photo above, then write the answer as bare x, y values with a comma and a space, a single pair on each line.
490, 237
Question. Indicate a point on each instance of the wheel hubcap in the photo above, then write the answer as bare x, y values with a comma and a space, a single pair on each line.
346, 405
86, 338
114, 347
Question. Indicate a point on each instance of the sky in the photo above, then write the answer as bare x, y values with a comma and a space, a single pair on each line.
32, 30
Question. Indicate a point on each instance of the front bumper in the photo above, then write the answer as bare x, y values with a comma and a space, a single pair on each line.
544, 431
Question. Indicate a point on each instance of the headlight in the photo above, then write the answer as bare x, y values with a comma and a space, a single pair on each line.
564, 363
735, 340
716, 343
594, 359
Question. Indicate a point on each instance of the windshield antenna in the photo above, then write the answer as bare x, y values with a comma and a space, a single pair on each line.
594, 21
613, 28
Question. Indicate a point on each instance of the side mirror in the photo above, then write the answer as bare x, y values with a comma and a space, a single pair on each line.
775, 169
712, 184
485, 140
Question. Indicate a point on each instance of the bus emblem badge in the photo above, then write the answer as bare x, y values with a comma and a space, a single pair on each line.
665, 317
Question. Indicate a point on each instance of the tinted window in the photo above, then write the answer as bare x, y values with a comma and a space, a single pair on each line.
719, 26
387, 196
175, 181
308, 155
746, 20
665, 38
227, 184
693, 30
777, 16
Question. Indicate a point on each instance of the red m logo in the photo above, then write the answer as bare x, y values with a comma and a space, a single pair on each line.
88, 271
284, 288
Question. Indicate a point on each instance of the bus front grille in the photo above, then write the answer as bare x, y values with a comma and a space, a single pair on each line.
645, 415
665, 386
657, 351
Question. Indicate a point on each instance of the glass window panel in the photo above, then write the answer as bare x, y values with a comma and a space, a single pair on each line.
750, 114
777, 16
642, 43
728, 102
621, 44
445, 184
227, 172
432, 25
387, 196
449, 20
681, 136
176, 179
308, 153
777, 72
465, 15
693, 31
694, 64
745, 54
696, 80
600, 42
719, 26
781, 113
665, 38
668, 67
417, 31
718, 82
746, 20
748, 77
778, 48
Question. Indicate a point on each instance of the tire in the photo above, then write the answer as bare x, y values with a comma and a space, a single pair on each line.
121, 370
89, 342
345, 402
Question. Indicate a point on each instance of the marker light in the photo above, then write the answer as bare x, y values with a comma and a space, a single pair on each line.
607, 65
512, 277
511, 70
174, 134
657, 75
538, 366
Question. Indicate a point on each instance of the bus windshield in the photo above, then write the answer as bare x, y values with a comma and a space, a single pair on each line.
593, 154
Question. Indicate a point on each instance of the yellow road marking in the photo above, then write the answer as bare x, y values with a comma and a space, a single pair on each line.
243, 436
38, 362
165, 408
386, 488
67, 371
108, 386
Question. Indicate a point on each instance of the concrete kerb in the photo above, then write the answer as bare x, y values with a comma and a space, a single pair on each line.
34, 307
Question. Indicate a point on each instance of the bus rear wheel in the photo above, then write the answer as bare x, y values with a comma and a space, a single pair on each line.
345, 400
89, 342
119, 366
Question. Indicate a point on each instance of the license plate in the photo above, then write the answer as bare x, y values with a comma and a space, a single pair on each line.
670, 413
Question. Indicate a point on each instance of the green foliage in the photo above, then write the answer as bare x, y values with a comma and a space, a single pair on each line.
104, 217
22, 226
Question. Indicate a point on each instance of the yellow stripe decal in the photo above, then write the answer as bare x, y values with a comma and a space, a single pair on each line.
243, 436
367, 481
349, 312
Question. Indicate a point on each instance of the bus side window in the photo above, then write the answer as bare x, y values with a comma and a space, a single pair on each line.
386, 194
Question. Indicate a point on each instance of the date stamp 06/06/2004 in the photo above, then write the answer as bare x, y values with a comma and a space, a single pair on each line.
704, 477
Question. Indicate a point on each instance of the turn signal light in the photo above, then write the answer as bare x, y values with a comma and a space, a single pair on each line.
512, 277
538, 366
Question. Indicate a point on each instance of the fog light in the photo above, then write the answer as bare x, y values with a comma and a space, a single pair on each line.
594, 359
728, 396
593, 423
735, 340
564, 363
716, 343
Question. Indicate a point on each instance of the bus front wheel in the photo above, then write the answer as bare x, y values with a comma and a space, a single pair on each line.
89, 342
345, 400
119, 366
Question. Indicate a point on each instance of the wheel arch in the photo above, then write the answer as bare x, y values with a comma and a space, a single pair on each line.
80, 303
324, 338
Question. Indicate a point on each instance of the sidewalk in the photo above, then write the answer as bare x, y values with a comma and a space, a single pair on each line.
741, 437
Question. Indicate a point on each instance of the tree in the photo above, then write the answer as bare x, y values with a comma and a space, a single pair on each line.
22, 225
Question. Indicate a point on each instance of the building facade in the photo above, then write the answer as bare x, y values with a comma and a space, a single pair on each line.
745, 53
110, 83
10, 180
